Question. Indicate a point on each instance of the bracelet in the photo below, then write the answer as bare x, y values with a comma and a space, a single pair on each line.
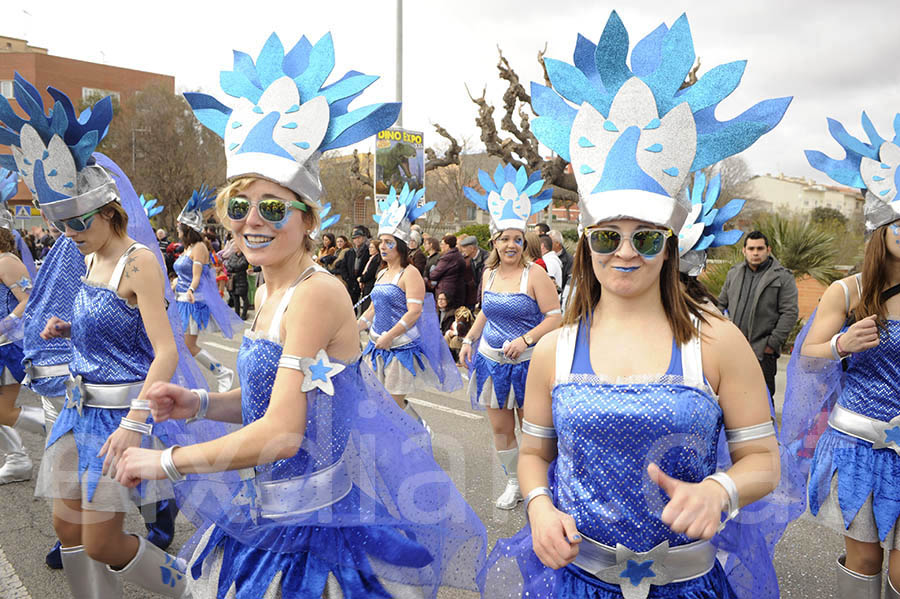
192, 290
365, 320
403, 324
835, 350
140, 404
203, 408
727, 483
467, 341
136, 426
168, 465
534, 494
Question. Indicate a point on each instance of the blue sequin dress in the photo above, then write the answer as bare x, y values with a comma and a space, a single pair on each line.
608, 433
110, 347
495, 381
420, 358
10, 351
345, 522
208, 305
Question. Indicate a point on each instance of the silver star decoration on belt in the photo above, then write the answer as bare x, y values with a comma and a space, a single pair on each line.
635, 571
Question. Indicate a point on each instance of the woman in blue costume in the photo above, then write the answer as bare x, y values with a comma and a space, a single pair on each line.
115, 356
15, 285
328, 488
853, 486
406, 348
619, 452
519, 305
196, 292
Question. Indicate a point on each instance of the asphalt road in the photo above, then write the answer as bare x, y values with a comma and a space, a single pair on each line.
462, 443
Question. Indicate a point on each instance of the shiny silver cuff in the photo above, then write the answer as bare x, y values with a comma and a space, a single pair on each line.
750, 433
730, 487
367, 321
467, 341
203, 408
552, 312
168, 465
415, 301
536, 430
534, 494
834, 349
140, 404
402, 323
136, 426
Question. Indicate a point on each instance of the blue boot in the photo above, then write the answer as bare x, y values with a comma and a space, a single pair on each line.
54, 558
161, 523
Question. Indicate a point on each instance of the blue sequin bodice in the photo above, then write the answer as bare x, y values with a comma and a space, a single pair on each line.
610, 432
509, 315
184, 268
327, 427
872, 380
108, 337
389, 301
8, 301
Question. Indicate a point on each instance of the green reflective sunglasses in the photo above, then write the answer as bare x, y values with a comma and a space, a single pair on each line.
646, 242
77, 223
273, 210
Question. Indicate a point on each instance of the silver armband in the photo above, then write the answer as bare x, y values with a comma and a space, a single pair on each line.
534, 494
552, 312
415, 301
168, 465
727, 483
203, 408
536, 430
750, 433
136, 426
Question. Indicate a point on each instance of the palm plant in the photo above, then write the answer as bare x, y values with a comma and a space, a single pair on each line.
802, 247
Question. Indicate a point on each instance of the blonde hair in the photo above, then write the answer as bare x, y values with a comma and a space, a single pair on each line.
236, 186
493, 260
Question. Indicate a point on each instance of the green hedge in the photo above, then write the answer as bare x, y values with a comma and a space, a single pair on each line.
481, 232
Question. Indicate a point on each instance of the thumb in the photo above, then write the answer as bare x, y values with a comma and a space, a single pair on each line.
571, 530
665, 482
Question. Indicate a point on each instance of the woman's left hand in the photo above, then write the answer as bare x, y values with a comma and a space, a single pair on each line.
694, 509
139, 464
515, 348
384, 341
115, 446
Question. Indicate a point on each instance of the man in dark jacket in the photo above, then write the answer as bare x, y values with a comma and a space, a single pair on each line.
760, 297
355, 260
448, 276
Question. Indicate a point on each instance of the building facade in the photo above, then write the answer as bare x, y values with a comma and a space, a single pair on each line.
783, 194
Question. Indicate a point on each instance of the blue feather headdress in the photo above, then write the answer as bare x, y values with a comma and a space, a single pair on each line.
397, 212
511, 197
150, 207
632, 134
54, 153
326, 220
9, 182
703, 228
201, 200
871, 166
280, 116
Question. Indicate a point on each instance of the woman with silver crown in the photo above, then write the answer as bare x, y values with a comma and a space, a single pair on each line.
406, 347
853, 487
115, 355
519, 305
196, 292
327, 488
15, 285
618, 459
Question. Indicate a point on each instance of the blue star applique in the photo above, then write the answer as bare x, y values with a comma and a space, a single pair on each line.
892, 435
636, 572
319, 371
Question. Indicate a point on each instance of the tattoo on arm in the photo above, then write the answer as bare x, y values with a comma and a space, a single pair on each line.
130, 268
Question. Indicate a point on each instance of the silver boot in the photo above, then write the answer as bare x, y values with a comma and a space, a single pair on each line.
224, 375
31, 419
154, 570
87, 578
853, 585
511, 496
889, 591
409, 409
18, 465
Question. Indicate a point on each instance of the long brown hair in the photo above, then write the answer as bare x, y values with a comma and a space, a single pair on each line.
874, 278
678, 305
8, 242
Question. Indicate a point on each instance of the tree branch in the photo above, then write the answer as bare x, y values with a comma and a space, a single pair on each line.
451, 156
364, 177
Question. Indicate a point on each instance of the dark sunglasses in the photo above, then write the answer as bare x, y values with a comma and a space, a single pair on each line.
77, 223
273, 210
646, 242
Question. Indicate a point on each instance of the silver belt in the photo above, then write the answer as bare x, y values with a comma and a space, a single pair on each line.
183, 297
634, 572
497, 355
108, 397
879, 433
34, 371
281, 499
400, 340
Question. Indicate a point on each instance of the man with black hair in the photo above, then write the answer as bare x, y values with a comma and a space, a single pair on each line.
355, 260
760, 297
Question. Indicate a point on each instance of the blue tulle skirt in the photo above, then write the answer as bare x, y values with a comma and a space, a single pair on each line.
11, 357
503, 378
198, 311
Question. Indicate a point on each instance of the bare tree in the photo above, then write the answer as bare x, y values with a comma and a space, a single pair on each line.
343, 180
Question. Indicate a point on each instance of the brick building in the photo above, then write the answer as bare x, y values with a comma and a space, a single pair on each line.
78, 79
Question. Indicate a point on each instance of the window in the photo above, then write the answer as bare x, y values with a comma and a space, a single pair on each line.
94, 94
470, 212
6, 89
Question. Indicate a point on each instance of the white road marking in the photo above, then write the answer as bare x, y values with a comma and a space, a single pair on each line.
220, 346
434, 406
11, 586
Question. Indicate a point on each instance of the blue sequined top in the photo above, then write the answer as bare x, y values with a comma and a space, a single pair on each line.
509, 315
108, 337
389, 302
872, 379
8, 301
609, 433
184, 268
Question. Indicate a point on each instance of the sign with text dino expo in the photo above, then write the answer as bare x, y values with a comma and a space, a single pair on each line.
399, 159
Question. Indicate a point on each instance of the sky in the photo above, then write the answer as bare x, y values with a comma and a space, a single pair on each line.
835, 57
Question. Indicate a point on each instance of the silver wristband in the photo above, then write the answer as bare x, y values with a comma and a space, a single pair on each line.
140, 404
402, 323
168, 465
203, 408
834, 348
534, 494
467, 341
727, 483
136, 426
367, 321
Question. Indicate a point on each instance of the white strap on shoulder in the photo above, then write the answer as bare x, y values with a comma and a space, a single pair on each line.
692, 359
846, 296
523, 284
565, 353
397, 277
491, 275
120, 265
275, 325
